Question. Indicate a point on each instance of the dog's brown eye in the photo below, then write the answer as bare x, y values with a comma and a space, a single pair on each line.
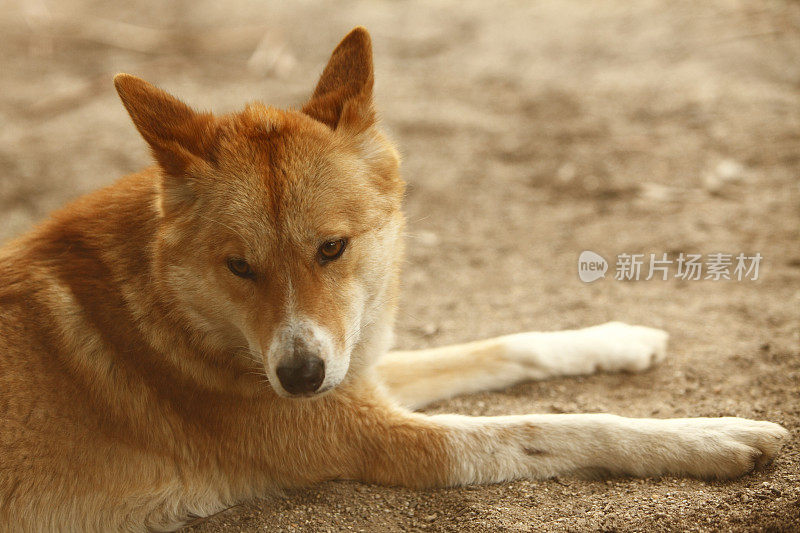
240, 267
330, 250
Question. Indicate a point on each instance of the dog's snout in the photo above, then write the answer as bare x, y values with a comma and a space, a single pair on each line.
302, 375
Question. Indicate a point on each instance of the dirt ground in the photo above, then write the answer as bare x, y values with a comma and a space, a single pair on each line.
531, 131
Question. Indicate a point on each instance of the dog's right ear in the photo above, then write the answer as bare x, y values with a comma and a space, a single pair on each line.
178, 136
343, 96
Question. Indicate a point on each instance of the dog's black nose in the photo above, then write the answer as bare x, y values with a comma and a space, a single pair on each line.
302, 375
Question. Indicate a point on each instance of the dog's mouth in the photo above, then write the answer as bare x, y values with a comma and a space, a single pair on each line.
309, 395
306, 395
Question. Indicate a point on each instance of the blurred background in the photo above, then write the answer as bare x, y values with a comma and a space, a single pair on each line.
530, 131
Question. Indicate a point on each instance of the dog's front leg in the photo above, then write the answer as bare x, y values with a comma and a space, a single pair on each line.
403, 448
417, 378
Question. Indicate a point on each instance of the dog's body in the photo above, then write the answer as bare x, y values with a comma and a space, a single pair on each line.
155, 336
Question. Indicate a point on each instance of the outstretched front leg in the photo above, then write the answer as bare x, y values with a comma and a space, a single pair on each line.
393, 446
416, 378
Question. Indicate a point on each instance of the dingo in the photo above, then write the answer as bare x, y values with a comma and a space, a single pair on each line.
217, 327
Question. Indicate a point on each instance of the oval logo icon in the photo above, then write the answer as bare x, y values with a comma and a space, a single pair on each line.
591, 266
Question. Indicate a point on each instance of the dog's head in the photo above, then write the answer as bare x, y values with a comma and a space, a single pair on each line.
280, 229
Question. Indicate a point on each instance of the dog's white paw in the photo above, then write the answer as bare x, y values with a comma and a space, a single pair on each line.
611, 347
725, 448
622, 347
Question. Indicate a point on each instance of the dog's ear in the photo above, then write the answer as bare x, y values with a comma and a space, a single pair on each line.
343, 97
178, 136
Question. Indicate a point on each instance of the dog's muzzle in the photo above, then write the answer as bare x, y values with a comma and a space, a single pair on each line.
303, 372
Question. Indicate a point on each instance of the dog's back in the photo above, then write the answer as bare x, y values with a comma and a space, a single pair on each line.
62, 385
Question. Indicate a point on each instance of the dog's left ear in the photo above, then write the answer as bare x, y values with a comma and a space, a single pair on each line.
178, 136
343, 97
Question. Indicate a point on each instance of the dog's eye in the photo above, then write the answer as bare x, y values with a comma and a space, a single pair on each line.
240, 267
331, 250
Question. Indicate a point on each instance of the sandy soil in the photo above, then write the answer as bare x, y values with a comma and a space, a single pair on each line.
531, 131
